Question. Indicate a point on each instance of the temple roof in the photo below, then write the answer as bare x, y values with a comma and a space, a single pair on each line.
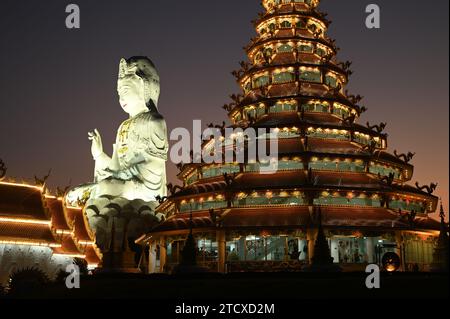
81, 228
92, 255
298, 179
298, 217
361, 217
68, 247
59, 218
349, 179
29, 217
319, 145
327, 120
22, 201
267, 217
18, 232
182, 221
427, 223
80, 224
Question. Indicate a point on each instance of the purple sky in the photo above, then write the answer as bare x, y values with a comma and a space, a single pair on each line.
57, 84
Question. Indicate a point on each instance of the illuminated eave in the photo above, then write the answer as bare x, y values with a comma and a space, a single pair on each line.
255, 46
270, 5
63, 232
26, 221
30, 243
71, 255
277, 16
39, 188
86, 243
274, 69
74, 207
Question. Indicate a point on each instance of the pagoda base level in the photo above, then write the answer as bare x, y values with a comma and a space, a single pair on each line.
118, 262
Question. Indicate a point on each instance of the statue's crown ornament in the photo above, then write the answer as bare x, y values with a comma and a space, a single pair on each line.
125, 69
146, 70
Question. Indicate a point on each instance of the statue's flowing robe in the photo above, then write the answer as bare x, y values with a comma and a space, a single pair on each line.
139, 157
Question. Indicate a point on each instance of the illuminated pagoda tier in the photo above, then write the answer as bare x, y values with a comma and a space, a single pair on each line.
245, 220
38, 231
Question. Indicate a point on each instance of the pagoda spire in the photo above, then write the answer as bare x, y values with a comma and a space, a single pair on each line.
322, 260
189, 252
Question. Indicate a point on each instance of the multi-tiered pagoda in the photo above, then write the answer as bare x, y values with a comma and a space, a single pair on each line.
330, 167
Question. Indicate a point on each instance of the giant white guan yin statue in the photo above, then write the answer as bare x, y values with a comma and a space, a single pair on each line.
135, 174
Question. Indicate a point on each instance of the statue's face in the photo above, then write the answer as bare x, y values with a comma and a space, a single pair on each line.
131, 92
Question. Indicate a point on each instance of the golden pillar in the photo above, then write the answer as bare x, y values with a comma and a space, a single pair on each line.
221, 244
400, 249
286, 249
162, 253
311, 234
151, 257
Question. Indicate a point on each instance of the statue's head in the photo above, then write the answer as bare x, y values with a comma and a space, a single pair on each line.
138, 84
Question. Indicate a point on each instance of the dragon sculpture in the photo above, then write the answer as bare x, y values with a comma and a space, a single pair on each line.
229, 178
245, 66
429, 189
346, 67
379, 128
389, 180
219, 127
326, 58
405, 157
350, 120
352, 98
360, 109
264, 90
236, 100
335, 91
160, 199
213, 215
228, 107
173, 189
411, 217
371, 148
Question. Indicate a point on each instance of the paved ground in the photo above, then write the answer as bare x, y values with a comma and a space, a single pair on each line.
258, 286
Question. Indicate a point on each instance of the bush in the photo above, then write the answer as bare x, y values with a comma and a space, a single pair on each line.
27, 281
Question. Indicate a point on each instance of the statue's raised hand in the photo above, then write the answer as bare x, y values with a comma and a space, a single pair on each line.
97, 146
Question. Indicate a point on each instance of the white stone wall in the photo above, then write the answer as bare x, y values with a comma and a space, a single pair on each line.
17, 257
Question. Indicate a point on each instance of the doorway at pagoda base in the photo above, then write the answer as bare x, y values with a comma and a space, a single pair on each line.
266, 248
266, 252
354, 249
207, 251
418, 248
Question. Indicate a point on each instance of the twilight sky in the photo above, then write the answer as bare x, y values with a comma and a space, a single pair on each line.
57, 84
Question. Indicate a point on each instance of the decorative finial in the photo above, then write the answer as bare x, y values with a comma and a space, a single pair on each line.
2, 170
126, 69
441, 212
41, 182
